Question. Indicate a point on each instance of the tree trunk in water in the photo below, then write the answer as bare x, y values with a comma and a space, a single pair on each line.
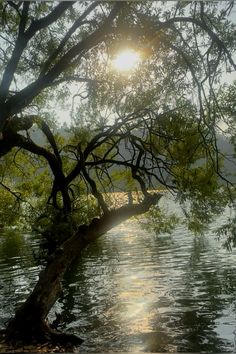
30, 321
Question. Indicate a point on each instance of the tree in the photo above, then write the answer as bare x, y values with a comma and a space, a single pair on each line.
159, 129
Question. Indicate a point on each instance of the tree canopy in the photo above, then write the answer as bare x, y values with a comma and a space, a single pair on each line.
144, 131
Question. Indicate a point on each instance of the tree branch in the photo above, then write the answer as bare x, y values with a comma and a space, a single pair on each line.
20, 44
46, 21
60, 181
73, 28
95, 191
114, 217
204, 26
24, 17
16, 195
14, 6
25, 96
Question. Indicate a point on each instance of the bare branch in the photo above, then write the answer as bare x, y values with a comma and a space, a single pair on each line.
15, 194
95, 191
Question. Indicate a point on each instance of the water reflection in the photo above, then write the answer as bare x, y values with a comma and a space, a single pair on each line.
134, 291
18, 270
202, 300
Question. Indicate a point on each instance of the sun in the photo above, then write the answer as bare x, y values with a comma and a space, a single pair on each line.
126, 60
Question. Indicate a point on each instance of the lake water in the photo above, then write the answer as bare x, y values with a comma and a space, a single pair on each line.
133, 291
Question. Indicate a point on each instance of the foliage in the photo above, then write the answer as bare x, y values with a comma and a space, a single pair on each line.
227, 104
7, 205
151, 128
160, 221
228, 233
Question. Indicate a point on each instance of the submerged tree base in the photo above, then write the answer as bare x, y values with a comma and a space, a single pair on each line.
45, 339
40, 348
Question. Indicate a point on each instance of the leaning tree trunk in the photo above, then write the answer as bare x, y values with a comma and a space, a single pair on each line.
30, 321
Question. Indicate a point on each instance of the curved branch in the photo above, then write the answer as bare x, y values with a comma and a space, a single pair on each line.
22, 41
158, 25
73, 28
46, 21
204, 26
46, 130
16, 195
55, 166
95, 191
14, 6
25, 96
60, 180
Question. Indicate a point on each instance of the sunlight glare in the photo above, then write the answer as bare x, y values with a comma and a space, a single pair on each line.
126, 60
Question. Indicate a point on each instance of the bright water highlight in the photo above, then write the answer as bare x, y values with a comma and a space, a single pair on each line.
134, 291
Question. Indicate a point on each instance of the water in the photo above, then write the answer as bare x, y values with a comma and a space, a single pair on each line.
132, 291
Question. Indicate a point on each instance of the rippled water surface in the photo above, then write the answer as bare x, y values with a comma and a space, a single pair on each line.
135, 291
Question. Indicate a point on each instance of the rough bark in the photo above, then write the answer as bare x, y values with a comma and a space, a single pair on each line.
30, 321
